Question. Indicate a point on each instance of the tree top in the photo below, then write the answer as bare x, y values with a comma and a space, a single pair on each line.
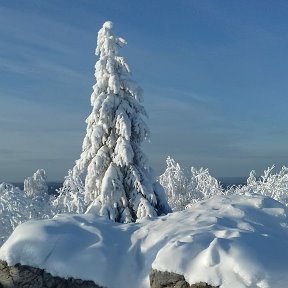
108, 25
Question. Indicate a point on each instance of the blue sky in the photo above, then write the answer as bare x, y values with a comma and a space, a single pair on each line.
214, 75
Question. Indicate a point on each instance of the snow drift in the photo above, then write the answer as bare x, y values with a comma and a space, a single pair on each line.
226, 240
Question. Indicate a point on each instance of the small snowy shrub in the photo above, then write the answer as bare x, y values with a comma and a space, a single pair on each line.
175, 184
36, 189
14, 209
17, 206
203, 185
36, 185
182, 190
274, 185
71, 195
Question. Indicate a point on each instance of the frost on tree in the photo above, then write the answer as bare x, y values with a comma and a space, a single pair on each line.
17, 207
182, 190
274, 185
36, 185
71, 195
119, 182
14, 209
175, 183
36, 189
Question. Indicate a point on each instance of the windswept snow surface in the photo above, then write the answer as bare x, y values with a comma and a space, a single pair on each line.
231, 241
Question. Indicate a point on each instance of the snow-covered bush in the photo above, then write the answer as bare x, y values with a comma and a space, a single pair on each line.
36, 189
203, 185
182, 189
71, 195
14, 209
175, 183
274, 185
119, 183
36, 185
17, 206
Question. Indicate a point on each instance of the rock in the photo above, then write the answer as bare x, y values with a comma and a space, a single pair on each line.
159, 279
23, 276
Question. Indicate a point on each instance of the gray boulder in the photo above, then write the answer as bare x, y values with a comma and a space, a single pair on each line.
159, 279
23, 276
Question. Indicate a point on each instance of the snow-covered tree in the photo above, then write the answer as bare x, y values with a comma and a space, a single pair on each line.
36, 185
17, 207
182, 190
274, 185
71, 195
14, 209
36, 189
175, 183
202, 185
119, 182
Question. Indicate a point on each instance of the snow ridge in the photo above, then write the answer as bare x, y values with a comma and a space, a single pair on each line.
226, 240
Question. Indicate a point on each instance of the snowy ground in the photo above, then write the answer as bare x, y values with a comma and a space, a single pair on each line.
235, 241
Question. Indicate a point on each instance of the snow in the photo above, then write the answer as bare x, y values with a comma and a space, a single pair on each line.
36, 185
183, 189
118, 180
226, 240
17, 206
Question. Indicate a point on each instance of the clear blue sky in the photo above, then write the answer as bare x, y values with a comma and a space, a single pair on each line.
214, 74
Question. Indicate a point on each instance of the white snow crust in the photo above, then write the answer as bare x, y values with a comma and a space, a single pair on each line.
230, 241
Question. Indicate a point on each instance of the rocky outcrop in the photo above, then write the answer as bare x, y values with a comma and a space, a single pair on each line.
159, 279
22, 276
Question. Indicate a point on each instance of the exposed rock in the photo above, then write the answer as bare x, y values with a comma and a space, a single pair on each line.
23, 276
159, 279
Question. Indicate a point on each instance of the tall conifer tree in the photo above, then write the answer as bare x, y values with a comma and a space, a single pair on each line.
119, 182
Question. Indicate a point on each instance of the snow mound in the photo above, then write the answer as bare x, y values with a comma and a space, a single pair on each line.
230, 241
